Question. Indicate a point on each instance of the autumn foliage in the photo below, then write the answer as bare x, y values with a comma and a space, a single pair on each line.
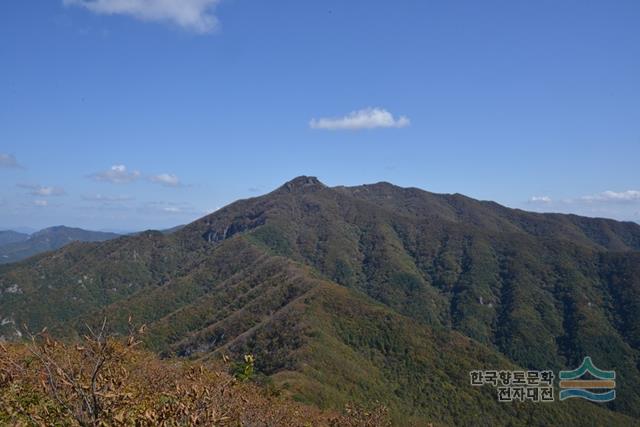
104, 381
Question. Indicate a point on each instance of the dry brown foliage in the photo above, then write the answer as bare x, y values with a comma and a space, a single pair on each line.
104, 381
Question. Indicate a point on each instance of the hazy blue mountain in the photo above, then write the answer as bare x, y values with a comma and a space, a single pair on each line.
10, 236
23, 230
48, 239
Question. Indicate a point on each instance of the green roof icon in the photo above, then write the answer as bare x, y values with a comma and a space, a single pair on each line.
587, 366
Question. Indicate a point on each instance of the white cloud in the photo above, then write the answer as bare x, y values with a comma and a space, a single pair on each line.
193, 15
41, 203
168, 208
8, 161
540, 199
368, 118
118, 174
106, 199
620, 205
613, 196
166, 179
42, 191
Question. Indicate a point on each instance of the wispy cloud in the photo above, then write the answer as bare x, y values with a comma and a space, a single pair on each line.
604, 198
193, 15
621, 205
168, 208
540, 199
368, 118
613, 196
43, 191
9, 161
118, 174
41, 203
105, 199
166, 180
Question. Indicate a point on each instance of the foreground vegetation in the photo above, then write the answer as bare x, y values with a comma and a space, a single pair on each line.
107, 382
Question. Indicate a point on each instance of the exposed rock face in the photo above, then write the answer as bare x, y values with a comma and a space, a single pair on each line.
217, 234
303, 183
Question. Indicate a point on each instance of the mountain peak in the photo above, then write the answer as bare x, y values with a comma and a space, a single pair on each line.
303, 183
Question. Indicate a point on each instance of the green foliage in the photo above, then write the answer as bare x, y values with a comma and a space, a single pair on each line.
274, 239
244, 370
375, 292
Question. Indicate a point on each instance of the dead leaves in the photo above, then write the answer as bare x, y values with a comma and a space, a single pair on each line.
102, 381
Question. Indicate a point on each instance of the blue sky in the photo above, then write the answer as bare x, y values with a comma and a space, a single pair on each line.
129, 114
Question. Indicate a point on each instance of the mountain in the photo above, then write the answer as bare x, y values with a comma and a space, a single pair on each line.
10, 236
368, 293
23, 230
173, 229
163, 231
45, 240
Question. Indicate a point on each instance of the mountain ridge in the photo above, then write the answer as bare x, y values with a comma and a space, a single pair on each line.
48, 239
372, 274
11, 236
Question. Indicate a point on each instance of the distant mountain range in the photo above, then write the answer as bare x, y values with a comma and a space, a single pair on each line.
367, 293
16, 246
10, 236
